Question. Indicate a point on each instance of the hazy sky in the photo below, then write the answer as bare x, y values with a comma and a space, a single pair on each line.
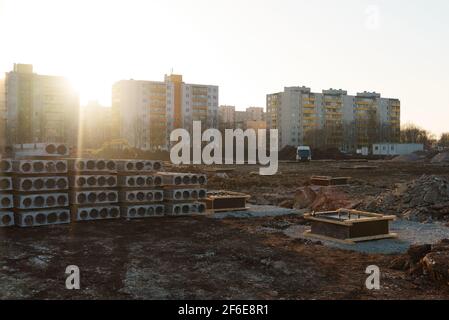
249, 48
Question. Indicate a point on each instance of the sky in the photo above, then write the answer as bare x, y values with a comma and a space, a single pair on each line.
248, 47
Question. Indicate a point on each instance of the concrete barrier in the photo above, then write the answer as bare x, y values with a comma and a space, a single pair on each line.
41, 201
6, 219
37, 218
33, 184
95, 213
142, 211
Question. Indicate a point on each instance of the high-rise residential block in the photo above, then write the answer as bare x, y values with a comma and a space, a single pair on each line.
251, 118
254, 114
145, 112
332, 118
40, 108
226, 117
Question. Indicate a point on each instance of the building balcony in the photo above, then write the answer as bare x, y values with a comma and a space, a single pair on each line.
308, 105
362, 102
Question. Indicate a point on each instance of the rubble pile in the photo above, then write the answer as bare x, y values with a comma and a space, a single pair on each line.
319, 199
409, 158
426, 260
423, 199
441, 158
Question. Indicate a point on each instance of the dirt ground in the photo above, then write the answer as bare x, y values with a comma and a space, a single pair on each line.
207, 258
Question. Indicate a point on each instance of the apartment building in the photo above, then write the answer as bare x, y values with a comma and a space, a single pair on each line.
226, 117
332, 118
255, 114
145, 112
240, 120
251, 118
40, 108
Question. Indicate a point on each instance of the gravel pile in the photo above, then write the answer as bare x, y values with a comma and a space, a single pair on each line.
426, 260
424, 199
409, 158
441, 158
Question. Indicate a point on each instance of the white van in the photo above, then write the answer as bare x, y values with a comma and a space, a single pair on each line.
303, 153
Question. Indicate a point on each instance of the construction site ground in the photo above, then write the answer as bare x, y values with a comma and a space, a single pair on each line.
221, 256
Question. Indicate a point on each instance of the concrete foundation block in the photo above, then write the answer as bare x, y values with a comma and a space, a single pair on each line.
142, 211
93, 181
40, 166
141, 196
6, 201
139, 165
140, 181
185, 194
33, 184
181, 209
95, 213
93, 197
6, 219
6, 166
38, 218
182, 179
92, 165
41, 201
41, 150
5, 183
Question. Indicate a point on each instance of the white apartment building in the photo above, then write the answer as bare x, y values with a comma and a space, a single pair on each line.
40, 108
226, 114
252, 117
145, 112
254, 114
343, 121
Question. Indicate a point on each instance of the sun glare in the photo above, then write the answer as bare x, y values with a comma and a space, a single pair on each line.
92, 88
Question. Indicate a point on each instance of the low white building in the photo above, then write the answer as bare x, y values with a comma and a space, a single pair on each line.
396, 149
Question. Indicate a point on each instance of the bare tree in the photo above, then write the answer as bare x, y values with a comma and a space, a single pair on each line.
444, 140
412, 133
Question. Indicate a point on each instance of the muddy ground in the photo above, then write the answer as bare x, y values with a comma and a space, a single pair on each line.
206, 258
